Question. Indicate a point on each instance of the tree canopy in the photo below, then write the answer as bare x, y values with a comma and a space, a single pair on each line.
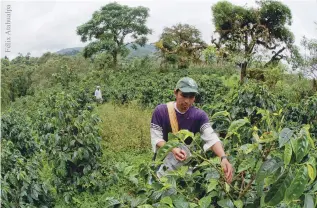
243, 30
110, 26
181, 44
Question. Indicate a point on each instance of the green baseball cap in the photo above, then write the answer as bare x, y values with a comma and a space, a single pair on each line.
187, 85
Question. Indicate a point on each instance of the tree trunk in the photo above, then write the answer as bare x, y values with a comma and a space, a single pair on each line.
315, 85
243, 73
115, 59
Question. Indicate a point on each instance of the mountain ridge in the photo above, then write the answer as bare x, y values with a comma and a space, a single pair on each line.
148, 49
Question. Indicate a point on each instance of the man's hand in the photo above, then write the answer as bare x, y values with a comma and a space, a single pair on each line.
179, 154
227, 168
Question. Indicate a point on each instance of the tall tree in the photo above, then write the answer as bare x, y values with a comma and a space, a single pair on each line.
109, 27
244, 31
181, 44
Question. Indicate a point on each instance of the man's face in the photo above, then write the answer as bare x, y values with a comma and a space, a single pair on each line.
184, 100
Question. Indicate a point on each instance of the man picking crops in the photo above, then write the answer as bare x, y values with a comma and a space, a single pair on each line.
182, 115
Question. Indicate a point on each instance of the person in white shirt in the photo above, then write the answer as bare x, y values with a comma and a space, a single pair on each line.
98, 95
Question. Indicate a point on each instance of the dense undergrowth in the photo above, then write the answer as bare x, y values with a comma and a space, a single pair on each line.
59, 148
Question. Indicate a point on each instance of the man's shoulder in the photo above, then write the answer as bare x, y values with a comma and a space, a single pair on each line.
199, 112
161, 107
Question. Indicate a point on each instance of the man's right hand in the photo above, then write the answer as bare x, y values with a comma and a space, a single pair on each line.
179, 154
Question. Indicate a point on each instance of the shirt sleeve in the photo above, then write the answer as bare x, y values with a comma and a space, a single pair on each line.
207, 133
156, 129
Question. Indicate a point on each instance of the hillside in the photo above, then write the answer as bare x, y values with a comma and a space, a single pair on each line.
148, 49
69, 51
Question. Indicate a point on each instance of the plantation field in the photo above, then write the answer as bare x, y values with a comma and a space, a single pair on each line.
62, 146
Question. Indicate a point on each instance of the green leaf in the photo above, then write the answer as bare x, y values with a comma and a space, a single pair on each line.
247, 148
163, 151
311, 172
285, 136
238, 203
212, 184
305, 132
277, 191
127, 170
67, 197
145, 206
309, 201
246, 164
227, 187
220, 116
225, 203
167, 200
138, 201
268, 138
235, 125
34, 194
287, 153
300, 149
192, 205
179, 201
111, 202
297, 187
156, 195
134, 180
182, 171
267, 168
205, 202
184, 134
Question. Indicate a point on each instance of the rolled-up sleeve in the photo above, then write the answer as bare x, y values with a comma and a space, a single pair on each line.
156, 129
156, 135
206, 132
209, 136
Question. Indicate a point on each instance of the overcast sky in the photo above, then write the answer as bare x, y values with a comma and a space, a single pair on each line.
39, 27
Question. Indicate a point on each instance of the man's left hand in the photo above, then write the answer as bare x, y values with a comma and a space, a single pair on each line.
228, 170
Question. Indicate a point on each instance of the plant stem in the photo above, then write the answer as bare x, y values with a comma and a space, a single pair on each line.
247, 187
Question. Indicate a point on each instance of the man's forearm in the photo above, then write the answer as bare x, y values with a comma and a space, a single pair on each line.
160, 144
218, 150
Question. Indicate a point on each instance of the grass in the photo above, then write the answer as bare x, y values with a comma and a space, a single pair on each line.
125, 129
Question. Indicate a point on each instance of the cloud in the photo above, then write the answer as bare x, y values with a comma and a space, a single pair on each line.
38, 27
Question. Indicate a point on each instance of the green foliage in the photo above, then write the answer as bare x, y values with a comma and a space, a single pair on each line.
303, 113
181, 45
109, 27
65, 76
244, 30
210, 54
59, 149
133, 120
64, 132
156, 88
21, 163
249, 98
15, 80
21, 184
201, 181
72, 134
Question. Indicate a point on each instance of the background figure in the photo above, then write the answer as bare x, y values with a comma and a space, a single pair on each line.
98, 95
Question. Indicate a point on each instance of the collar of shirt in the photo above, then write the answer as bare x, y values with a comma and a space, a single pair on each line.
178, 110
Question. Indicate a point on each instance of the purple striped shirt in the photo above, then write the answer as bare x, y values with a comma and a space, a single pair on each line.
193, 119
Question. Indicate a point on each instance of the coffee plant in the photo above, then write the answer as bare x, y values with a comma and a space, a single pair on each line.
275, 166
64, 131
